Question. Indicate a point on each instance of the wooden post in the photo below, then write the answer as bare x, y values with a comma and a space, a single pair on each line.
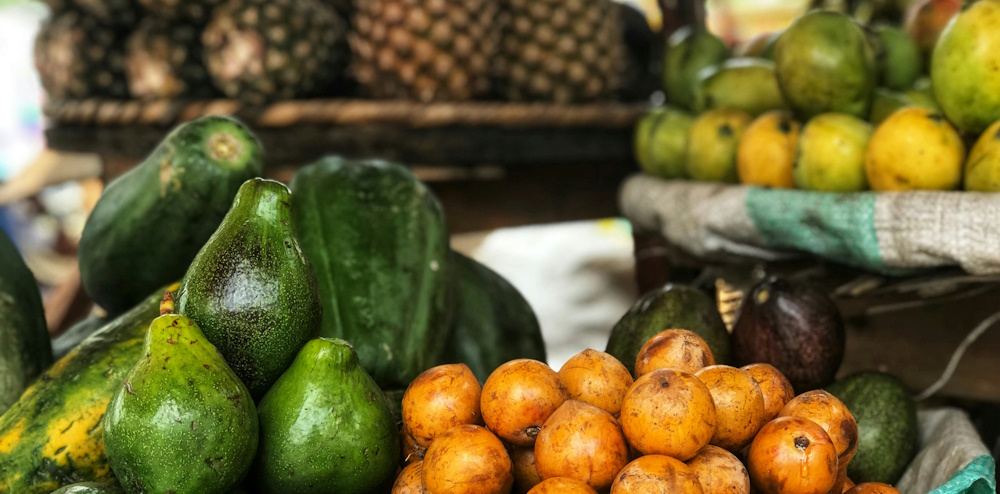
680, 13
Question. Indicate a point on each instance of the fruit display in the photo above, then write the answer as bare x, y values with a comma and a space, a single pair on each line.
164, 60
77, 56
881, 107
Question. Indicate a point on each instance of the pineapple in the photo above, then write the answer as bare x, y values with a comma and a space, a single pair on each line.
118, 13
163, 60
263, 50
425, 50
187, 10
79, 57
561, 51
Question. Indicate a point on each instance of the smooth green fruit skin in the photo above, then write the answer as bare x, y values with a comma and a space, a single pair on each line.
670, 307
745, 84
178, 196
494, 323
887, 425
84, 378
641, 137
902, 63
378, 241
667, 144
251, 289
181, 421
825, 63
965, 67
688, 52
89, 488
326, 427
830, 155
25, 350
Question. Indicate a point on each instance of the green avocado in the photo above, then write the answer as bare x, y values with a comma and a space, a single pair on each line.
688, 52
89, 488
494, 323
887, 425
181, 421
745, 84
326, 427
178, 195
25, 350
251, 288
670, 307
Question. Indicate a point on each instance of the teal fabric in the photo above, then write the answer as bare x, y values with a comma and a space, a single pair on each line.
839, 227
978, 477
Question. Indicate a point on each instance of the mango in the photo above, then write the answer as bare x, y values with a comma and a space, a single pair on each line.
926, 19
982, 171
666, 143
745, 84
825, 63
915, 148
688, 52
831, 154
965, 67
766, 153
901, 62
712, 145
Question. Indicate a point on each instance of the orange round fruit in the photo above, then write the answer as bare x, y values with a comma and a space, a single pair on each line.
467, 459
562, 485
438, 399
832, 415
668, 412
792, 455
597, 378
739, 405
719, 471
775, 387
411, 451
674, 349
656, 473
582, 442
409, 480
525, 473
873, 488
518, 397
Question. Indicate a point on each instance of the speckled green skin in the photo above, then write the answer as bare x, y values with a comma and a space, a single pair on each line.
745, 84
181, 422
326, 427
688, 52
494, 323
887, 425
965, 67
377, 239
670, 307
825, 63
251, 289
89, 488
178, 196
25, 350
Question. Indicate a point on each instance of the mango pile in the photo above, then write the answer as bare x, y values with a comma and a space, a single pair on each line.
832, 105
684, 424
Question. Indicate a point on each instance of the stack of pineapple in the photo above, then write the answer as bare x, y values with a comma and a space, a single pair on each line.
563, 51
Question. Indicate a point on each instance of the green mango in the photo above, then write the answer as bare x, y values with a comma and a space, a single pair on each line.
251, 288
670, 307
89, 488
181, 421
964, 67
177, 195
25, 350
884, 103
901, 62
688, 52
663, 135
326, 427
825, 63
745, 84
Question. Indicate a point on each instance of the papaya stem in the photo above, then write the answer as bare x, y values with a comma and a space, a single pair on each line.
167, 304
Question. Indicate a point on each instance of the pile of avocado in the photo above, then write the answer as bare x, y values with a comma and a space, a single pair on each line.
299, 311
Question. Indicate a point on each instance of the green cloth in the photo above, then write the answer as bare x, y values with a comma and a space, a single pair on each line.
978, 477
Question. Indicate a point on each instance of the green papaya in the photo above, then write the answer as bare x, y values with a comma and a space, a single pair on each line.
745, 84
89, 488
670, 307
181, 421
53, 435
178, 196
326, 427
378, 241
688, 52
251, 289
494, 323
25, 350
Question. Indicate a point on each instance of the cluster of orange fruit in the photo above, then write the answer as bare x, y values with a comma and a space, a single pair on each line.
684, 425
